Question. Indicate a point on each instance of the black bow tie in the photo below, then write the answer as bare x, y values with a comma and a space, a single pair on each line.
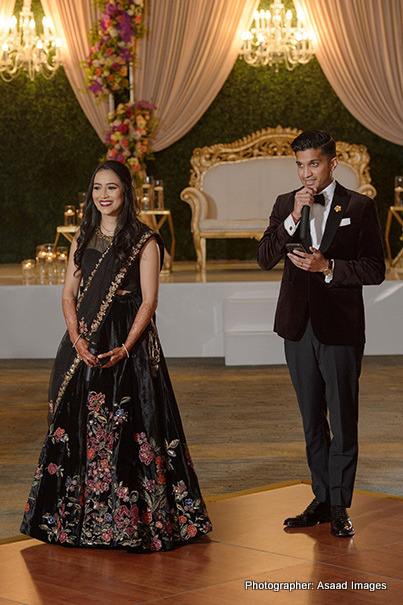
319, 199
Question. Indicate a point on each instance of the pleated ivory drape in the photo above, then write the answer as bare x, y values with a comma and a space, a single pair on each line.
360, 49
185, 58
192, 45
73, 20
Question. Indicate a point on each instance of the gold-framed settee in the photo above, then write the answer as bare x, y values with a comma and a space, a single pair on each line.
233, 186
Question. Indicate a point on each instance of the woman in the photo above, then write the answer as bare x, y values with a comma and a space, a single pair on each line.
114, 470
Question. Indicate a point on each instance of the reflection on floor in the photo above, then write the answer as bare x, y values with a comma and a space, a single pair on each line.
248, 558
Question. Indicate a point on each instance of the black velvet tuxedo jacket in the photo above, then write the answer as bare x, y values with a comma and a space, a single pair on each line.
336, 309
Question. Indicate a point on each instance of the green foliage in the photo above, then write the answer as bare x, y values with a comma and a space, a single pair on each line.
48, 153
49, 150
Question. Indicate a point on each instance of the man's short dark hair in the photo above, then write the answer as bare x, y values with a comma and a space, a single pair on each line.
312, 139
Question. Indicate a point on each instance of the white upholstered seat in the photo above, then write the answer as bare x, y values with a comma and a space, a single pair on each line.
233, 186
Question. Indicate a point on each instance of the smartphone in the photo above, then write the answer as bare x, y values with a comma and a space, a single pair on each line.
292, 247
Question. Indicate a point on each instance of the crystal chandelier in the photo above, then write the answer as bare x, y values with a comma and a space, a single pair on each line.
23, 49
272, 40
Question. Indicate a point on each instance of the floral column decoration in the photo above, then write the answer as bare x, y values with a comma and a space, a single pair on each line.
130, 126
108, 71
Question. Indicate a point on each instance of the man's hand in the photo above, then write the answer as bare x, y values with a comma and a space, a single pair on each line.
315, 262
303, 197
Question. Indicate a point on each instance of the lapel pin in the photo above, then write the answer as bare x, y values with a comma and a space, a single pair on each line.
337, 208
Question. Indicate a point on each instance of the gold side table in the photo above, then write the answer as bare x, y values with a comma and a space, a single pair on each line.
155, 219
67, 231
393, 212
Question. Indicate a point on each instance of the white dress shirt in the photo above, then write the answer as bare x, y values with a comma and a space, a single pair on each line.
317, 220
318, 215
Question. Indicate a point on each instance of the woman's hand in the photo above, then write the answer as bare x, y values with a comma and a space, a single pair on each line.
115, 355
82, 348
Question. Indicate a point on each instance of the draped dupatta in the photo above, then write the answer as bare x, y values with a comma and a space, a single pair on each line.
92, 309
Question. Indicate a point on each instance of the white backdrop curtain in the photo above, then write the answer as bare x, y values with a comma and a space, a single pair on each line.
360, 49
187, 54
73, 20
185, 58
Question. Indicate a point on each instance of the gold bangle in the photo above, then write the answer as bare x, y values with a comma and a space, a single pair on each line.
127, 352
76, 341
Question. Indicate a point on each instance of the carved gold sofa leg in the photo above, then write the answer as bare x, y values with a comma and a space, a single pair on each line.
200, 247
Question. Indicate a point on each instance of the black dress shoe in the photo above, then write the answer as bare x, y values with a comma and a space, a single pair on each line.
316, 512
341, 525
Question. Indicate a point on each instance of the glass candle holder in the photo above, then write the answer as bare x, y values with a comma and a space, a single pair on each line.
62, 252
82, 196
399, 190
148, 192
145, 203
159, 194
69, 216
28, 267
40, 260
138, 188
50, 263
62, 258
51, 268
79, 214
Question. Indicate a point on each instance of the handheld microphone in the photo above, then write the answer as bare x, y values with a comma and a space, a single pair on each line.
304, 225
93, 348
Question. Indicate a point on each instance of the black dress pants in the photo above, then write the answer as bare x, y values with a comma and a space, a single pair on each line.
325, 379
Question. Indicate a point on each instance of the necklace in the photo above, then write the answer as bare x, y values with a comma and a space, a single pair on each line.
99, 233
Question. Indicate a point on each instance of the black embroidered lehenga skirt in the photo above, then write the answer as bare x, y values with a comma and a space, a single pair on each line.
115, 470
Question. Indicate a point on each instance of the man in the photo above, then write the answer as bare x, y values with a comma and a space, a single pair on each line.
320, 314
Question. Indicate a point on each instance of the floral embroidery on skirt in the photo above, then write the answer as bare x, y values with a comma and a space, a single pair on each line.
115, 470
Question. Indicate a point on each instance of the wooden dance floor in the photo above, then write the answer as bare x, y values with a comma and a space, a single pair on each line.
248, 558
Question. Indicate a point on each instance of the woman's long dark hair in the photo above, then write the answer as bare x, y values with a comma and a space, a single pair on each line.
127, 227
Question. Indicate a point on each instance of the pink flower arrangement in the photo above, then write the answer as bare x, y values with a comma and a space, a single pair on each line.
106, 67
107, 72
131, 125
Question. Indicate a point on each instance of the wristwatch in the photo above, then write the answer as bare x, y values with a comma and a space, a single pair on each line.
328, 271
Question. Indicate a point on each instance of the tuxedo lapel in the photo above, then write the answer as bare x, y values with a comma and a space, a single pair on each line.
337, 210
